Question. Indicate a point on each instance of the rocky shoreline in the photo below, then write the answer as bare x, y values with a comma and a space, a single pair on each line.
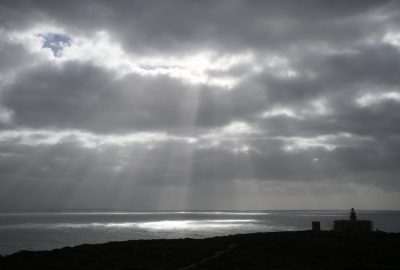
276, 250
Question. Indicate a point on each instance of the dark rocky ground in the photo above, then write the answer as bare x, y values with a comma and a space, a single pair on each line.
280, 250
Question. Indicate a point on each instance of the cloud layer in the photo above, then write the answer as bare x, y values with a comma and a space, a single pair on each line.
199, 104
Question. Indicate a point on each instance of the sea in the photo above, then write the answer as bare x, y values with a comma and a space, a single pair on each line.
44, 231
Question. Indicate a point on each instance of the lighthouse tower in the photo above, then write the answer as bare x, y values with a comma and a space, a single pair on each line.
353, 215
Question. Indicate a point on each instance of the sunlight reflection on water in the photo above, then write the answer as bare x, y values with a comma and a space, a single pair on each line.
152, 225
194, 224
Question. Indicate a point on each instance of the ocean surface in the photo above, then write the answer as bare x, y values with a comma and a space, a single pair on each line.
41, 231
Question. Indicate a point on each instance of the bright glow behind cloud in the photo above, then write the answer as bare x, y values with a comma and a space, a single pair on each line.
103, 51
370, 99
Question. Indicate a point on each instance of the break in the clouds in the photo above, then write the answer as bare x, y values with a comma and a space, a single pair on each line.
199, 104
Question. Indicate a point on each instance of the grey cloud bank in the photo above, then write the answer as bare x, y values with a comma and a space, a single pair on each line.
199, 104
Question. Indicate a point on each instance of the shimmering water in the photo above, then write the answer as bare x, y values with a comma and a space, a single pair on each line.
37, 231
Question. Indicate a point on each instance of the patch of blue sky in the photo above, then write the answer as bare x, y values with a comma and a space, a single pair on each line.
56, 42
156, 67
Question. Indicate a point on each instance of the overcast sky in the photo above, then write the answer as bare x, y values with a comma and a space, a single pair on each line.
236, 104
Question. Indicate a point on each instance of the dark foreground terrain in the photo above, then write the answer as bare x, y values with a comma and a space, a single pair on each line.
280, 250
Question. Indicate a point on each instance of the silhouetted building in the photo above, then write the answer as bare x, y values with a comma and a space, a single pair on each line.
316, 226
352, 225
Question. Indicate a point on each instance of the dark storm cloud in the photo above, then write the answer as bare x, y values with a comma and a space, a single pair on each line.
317, 100
369, 67
376, 121
79, 96
12, 56
188, 25
375, 64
